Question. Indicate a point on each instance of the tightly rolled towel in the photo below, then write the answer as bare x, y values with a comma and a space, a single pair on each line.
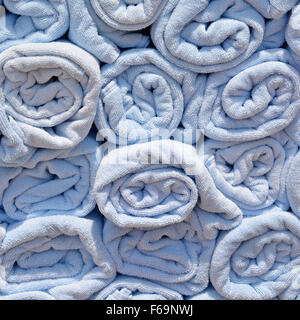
128, 15
48, 94
130, 288
248, 173
256, 99
51, 183
259, 259
208, 36
90, 32
292, 33
142, 96
23, 21
62, 256
175, 256
155, 184
272, 9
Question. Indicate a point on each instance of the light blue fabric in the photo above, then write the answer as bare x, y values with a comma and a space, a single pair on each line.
63, 256
24, 21
272, 9
55, 182
88, 31
259, 259
177, 256
131, 288
208, 294
155, 184
254, 100
49, 95
142, 97
208, 36
292, 33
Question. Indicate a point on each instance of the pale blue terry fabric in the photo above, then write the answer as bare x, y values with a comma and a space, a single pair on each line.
208, 36
259, 259
273, 9
131, 288
32, 21
176, 256
208, 294
292, 33
142, 97
55, 182
49, 95
155, 184
62, 256
90, 32
254, 100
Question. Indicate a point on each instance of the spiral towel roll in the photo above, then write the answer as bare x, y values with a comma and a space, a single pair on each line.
90, 32
208, 36
51, 183
23, 21
63, 256
256, 99
130, 288
142, 96
259, 259
156, 184
49, 95
176, 256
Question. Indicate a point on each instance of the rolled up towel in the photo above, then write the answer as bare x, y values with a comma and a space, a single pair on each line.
248, 173
130, 288
259, 259
142, 97
155, 184
90, 32
208, 294
63, 256
51, 183
256, 99
293, 184
23, 21
48, 94
176, 256
292, 33
128, 15
208, 36
272, 9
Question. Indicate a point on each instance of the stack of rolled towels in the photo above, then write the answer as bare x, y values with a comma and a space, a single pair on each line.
149, 150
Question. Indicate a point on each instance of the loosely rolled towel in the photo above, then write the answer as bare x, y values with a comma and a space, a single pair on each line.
49, 94
248, 173
51, 183
208, 36
155, 184
128, 15
292, 33
176, 256
256, 99
90, 32
142, 97
259, 259
23, 21
272, 9
62, 256
131, 288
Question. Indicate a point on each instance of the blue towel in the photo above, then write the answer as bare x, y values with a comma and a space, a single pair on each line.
142, 97
292, 33
130, 288
62, 256
52, 182
49, 94
23, 21
248, 173
208, 36
31, 295
176, 256
256, 99
155, 184
88, 31
208, 294
272, 9
259, 259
